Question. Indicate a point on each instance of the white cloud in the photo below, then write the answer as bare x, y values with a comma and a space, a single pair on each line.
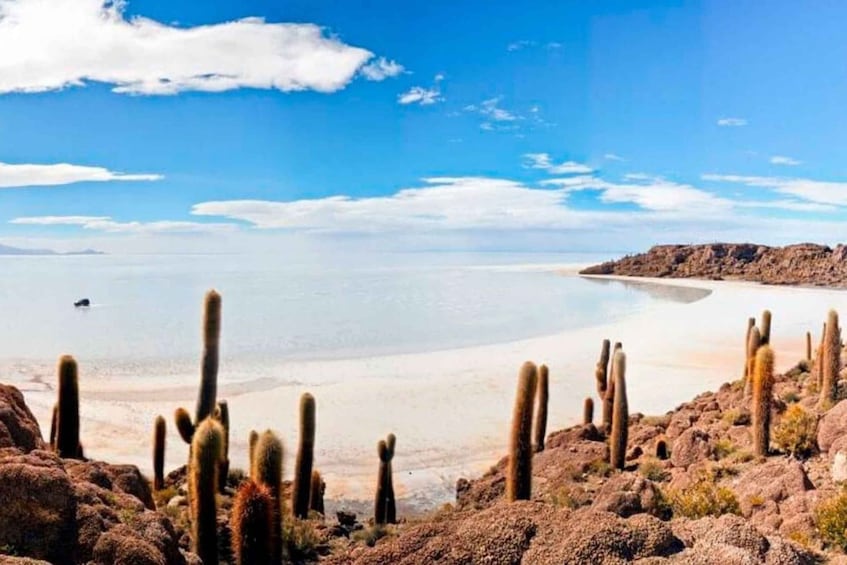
783, 160
544, 162
420, 95
554, 45
381, 69
20, 175
491, 109
54, 44
732, 122
107, 224
820, 192
518, 45
439, 77
613, 157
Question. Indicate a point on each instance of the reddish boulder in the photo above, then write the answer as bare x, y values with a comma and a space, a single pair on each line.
18, 427
832, 426
691, 446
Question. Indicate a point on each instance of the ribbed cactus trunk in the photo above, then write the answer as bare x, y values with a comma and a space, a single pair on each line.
831, 360
251, 523
316, 497
54, 421
67, 427
588, 411
381, 483
206, 449
602, 368
540, 430
254, 438
765, 328
753, 345
519, 476
159, 431
620, 413
808, 346
390, 502
305, 458
267, 463
609, 404
762, 394
751, 323
222, 415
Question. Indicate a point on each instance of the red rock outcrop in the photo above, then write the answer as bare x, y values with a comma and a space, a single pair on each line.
800, 264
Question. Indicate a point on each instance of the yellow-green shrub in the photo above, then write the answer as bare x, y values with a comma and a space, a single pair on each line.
796, 432
831, 520
703, 498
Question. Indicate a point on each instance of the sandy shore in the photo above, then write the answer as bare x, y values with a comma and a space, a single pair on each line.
450, 409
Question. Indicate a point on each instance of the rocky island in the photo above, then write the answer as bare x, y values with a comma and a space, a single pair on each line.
805, 264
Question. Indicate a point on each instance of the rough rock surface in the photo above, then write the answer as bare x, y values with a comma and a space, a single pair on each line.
832, 426
66, 511
800, 264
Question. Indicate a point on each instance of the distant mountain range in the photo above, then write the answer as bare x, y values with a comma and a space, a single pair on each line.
8, 250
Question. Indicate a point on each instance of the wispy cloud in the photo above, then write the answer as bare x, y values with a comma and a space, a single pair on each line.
53, 44
544, 161
108, 225
783, 160
494, 116
521, 44
732, 122
381, 69
420, 95
613, 157
820, 192
23, 175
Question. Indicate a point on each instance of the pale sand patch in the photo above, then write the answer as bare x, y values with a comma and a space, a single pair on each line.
450, 409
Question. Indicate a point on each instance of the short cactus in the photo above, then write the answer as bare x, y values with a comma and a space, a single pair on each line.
540, 430
519, 475
620, 413
159, 430
588, 411
207, 395
762, 395
251, 523
662, 449
316, 496
765, 328
67, 421
267, 467
831, 360
206, 450
222, 416
305, 458
753, 345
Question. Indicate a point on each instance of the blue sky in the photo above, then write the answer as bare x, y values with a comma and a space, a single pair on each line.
181, 125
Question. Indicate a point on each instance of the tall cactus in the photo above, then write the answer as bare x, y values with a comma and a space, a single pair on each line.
159, 430
267, 464
609, 402
251, 523
390, 502
831, 360
519, 476
602, 369
316, 496
620, 413
305, 458
751, 323
540, 430
54, 421
206, 450
381, 483
809, 346
766, 327
254, 438
753, 345
67, 426
762, 394
207, 395
222, 416
588, 411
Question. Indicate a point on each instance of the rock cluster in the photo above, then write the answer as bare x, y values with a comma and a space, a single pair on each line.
800, 264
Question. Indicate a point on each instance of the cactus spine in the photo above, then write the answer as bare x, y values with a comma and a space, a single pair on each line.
541, 414
207, 395
305, 458
588, 411
519, 477
620, 413
831, 360
222, 416
251, 524
267, 465
762, 393
766, 327
159, 430
753, 345
316, 497
206, 450
67, 420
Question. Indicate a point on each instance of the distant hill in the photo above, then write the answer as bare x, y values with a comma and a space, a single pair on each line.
8, 250
800, 264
